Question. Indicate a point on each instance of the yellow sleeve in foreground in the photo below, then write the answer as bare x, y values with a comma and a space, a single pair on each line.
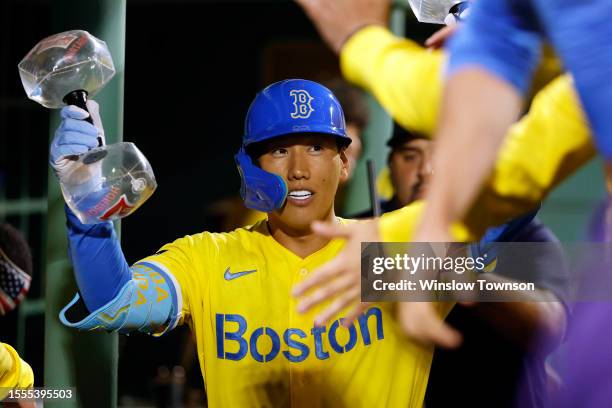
403, 76
14, 372
406, 78
546, 146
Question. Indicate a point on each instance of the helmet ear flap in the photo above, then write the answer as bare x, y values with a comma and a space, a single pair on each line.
259, 189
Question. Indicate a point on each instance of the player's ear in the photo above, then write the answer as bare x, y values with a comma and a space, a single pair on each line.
344, 162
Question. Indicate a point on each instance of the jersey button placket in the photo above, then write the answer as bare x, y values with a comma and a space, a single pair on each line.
298, 371
294, 318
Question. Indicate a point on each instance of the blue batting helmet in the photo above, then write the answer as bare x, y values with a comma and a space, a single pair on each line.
292, 106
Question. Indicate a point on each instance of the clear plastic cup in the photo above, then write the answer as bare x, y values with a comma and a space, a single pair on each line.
65, 62
108, 183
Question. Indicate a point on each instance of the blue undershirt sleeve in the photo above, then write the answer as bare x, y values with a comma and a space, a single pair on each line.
581, 33
501, 37
100, 267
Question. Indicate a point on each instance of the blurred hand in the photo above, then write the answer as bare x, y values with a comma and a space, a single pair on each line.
339, 280
426, 232
421, 323
439, 38
337, 20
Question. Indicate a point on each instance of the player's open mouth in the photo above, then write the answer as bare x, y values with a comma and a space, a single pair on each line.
300, 197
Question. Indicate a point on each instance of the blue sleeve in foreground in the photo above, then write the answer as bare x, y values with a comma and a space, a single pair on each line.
100, 267
501, 38
582, 36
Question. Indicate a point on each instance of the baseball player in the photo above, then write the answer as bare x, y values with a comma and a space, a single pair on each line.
234, 289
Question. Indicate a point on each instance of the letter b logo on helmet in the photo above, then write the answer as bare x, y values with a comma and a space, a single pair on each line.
301, 101
293, 106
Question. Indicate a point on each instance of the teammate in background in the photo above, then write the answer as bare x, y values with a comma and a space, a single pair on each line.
547, 145
15, 272
409, 168
234, 289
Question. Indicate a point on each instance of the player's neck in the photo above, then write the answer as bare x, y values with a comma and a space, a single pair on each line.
302, 242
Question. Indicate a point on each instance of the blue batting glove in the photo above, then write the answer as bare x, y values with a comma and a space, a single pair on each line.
74, 136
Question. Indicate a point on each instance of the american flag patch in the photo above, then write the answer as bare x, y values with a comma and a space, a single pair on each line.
14, 283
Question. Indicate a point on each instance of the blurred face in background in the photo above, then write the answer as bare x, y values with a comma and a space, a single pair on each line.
410, 167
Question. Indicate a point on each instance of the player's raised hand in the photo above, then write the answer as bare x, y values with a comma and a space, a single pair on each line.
339, 280
337, 20
74, 136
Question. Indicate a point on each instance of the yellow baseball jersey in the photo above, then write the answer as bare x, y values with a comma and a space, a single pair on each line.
255, 350
547, 145
14, 372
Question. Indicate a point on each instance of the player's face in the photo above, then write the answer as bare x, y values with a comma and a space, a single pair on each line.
410, 168
313, 167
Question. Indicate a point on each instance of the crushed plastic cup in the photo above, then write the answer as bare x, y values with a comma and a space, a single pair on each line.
108, 183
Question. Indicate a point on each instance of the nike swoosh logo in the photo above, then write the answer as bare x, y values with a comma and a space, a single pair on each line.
231, 276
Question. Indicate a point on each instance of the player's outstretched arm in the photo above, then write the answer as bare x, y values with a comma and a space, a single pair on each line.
477, 110
112, 295
489, 71
404, 77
